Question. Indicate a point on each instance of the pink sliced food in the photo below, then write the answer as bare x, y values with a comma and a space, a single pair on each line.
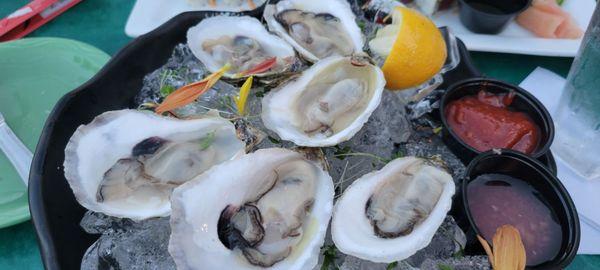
569, 29
547, 19
541, 23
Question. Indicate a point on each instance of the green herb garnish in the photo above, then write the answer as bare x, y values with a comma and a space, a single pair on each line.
329, 256
391, 266
396, 155
273, 140
341, 153
361, 25
207, 141
166, 90
442, 266
459, 254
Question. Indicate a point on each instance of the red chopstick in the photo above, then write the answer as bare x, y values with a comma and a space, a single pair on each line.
30, 17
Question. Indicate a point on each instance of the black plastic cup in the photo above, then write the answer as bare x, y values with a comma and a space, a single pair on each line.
518, 165
489, 16
523, 102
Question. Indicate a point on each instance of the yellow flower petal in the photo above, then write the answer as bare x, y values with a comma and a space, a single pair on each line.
241, 99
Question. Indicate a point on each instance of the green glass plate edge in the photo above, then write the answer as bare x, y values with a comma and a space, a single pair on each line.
90, 58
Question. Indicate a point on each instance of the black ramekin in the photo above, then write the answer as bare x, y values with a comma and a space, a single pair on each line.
523, 102
485, 22
521, 166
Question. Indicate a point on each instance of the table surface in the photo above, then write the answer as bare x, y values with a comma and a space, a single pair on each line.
101, 23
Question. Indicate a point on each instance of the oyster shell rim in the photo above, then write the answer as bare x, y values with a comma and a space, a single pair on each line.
248, 22
71, 162
395, 249
301, 81
358, 40
324, 204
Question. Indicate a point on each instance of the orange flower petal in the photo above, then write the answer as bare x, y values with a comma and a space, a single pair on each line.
508, 251
182, 96
190, 92
487, 248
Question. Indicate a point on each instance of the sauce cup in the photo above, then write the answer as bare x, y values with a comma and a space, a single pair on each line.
525, 168
523, 102
489, 16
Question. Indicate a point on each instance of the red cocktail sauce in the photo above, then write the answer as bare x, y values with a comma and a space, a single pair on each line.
485, 122
495, 200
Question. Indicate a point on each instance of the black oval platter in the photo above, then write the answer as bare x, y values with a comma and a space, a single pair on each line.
54, 210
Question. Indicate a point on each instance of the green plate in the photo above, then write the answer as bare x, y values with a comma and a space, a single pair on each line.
34, 74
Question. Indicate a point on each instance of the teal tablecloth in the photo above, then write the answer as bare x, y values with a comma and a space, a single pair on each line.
101, 23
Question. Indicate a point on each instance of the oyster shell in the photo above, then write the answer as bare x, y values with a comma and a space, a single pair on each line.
327, 104
126, 163
394, 212
270, 208
316, 28
242, 42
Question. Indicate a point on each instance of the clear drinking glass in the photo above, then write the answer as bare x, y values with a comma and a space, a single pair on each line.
577, 119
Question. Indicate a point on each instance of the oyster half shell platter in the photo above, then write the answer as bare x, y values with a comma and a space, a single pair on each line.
293, 134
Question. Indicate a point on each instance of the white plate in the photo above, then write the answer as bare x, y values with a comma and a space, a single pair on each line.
516, 39
150, 14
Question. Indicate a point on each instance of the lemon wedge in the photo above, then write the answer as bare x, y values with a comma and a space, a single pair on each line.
413, 48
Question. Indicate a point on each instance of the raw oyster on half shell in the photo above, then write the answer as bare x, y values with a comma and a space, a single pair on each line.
270, 208
243, 42
393, 212
327, 104
126, 163
316, 28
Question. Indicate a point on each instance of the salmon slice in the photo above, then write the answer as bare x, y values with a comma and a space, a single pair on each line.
569, 29
545, 18
541, 23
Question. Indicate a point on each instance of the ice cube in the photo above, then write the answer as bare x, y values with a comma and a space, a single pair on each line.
126, 244
448, 241
462, 263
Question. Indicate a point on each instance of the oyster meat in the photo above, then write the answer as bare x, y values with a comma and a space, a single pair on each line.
402, 205
243, 42
126, 163
316, 28
327, 104
270, 208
